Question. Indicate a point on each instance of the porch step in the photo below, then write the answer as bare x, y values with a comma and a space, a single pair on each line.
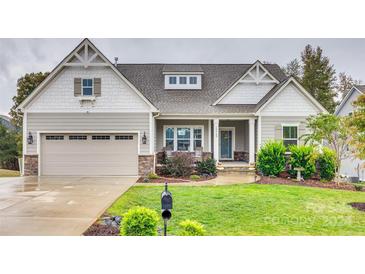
234, 169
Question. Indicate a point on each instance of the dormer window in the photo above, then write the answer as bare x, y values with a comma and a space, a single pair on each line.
172, 80
193, 80
183, 81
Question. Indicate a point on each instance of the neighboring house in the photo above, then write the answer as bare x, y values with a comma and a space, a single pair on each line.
352, 166
92, 117
6, 122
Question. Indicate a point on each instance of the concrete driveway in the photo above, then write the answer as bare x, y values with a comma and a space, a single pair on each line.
56, 205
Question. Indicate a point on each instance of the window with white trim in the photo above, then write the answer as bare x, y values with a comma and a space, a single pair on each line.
183, 138
185, 81
290, 135
182, 80
87, 87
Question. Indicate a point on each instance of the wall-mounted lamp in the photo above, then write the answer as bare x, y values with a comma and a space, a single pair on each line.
144, 138
30, 138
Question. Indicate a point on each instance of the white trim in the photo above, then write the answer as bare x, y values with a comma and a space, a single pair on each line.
233, 129
92, 88
152, 133
301, 88
183, 116
209, 135
259, 132
183, 73
39, 133
25, 143
251, 141
290, 125
87, 43
216, 139
192, 127
348, 95
256, 65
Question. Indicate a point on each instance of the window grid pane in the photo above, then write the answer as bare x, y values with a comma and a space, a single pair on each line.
182, 80
193, 80
172, 80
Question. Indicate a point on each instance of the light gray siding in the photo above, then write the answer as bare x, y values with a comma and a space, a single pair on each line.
161, 123
88, 122
269, 126
347, 107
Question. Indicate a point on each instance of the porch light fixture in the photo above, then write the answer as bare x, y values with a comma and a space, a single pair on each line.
30, 138
144, 138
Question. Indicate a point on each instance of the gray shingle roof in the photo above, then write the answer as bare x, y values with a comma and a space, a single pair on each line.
149, 79
182, 68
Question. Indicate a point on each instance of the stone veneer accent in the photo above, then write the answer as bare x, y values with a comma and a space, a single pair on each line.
30, 165
146, 164
241, 156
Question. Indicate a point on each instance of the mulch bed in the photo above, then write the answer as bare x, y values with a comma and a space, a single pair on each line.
359, 206
310, 182
175, 180
98, 229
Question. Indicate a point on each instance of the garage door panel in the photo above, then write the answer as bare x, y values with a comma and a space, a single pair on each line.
89, 157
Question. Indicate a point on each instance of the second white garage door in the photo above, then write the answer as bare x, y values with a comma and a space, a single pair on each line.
89, 154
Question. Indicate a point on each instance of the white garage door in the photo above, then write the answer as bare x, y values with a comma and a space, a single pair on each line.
89, 154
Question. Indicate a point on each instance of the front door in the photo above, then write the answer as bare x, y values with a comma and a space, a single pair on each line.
226, 144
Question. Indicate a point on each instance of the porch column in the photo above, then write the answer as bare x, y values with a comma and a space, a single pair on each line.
215, 139
251, 151
209, 135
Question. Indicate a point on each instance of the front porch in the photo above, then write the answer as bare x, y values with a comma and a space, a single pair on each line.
230, 141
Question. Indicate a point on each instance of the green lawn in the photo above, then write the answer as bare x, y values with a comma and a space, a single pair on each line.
255, 209
8, 173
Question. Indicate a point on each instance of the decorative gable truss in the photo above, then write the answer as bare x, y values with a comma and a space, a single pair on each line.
250, 88
86, 56
258, 74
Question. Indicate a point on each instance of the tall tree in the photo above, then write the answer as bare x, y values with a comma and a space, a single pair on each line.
293, 68
319, 77
25, 86
357, 127
345, 83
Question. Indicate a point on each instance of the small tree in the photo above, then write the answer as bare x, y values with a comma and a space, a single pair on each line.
8, 148
333, 131
356, 124
25, 86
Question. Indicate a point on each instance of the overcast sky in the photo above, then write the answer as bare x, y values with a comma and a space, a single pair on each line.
19, 56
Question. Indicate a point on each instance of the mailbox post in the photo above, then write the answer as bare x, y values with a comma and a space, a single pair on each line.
166, 206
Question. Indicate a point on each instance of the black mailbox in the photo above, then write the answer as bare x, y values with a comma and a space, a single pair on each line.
166, 199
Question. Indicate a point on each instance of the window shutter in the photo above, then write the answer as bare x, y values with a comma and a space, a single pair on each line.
97, 87
77, 86
278, 132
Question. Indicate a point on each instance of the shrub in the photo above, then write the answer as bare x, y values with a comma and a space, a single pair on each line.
358, 187
191, 228
152, 176
302, 156
327, 164
194, 177
139, 221
180, 165
271, 158
207, 166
